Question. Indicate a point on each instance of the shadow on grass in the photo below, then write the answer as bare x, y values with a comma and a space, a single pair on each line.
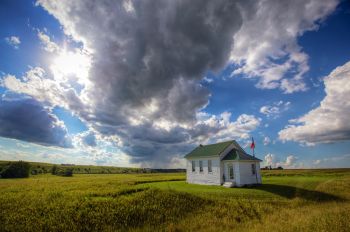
291, 192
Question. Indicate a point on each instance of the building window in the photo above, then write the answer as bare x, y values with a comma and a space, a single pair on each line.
209, 166
231, 172
193, 166
253, 169
200, 166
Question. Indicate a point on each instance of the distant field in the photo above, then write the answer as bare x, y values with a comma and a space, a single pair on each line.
288, 200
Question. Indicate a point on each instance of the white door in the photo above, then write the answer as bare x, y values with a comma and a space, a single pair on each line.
230, 172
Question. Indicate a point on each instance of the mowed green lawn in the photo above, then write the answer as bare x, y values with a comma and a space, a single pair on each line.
288, 200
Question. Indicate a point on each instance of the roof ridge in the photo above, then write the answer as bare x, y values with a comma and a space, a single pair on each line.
226, 146
238, 146
217, 143
214, 149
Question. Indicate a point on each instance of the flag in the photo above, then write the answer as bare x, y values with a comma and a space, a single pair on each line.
252, 146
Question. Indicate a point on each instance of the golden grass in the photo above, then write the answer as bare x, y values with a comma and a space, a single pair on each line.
319, 201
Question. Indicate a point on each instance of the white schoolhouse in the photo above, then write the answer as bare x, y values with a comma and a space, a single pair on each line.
223, 163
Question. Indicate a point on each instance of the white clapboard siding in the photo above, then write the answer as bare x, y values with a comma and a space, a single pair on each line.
205, 177
246, 175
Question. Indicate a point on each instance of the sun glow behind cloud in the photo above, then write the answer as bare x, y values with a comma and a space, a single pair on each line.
71, 64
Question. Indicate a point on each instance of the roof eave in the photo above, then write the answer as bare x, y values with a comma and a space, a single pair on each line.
200, 157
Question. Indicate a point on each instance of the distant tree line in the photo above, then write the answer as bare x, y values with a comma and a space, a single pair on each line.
21, 169
271, 168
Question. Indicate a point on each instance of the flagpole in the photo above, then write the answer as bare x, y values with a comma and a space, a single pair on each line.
252, 146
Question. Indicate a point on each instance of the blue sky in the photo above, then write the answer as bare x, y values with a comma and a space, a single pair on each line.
109, 84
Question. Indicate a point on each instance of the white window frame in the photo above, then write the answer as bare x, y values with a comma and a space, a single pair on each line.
231, 167
200, 166
210, 166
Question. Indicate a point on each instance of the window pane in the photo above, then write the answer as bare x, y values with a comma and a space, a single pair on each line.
193, 166
253, 169
209, 166
201, 166
231, 172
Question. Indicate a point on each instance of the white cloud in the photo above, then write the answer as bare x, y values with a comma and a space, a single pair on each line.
14, 41
329, 122
270, 160
208, 79
266, 141
48, 44
274, 110
219, 128
290, 162
128, 6
35, 83
266, 45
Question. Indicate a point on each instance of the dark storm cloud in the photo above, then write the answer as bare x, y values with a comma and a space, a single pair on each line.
26, 119
148, 59
150, 51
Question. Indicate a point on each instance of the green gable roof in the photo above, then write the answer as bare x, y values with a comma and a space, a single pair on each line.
208, 150
232, 155
235, 154
215, 150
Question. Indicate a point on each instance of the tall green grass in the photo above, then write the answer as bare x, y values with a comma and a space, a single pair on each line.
288, 200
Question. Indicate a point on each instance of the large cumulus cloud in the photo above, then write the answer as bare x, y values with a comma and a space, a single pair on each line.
26, 119
329, 122
148, 54
266, 47
148, 58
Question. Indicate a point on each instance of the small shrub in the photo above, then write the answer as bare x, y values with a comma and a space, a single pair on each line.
54, 170
34, 172
65, 172
18, 169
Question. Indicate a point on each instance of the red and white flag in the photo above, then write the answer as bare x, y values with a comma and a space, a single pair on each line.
252, 146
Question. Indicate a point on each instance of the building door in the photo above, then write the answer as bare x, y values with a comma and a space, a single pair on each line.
231, 175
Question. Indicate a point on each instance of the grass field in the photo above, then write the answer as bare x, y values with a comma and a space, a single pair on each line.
288, 200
